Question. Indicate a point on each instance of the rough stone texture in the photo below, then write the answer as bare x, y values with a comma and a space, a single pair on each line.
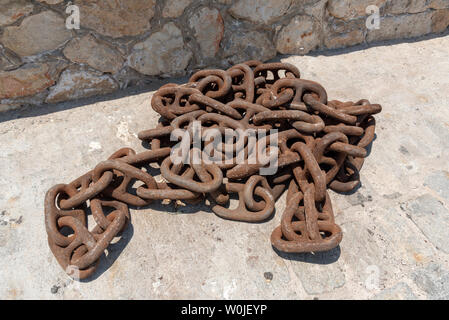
439, 4
344, 40
432, 218
117, 18
51, 1
76, 83
340, 33
320, 272
13, 10
339, 26
440, 20
205, 33
175, 8
163, 52
350, 9
38, 33
9, 107
188, 252
403, 26
250, 45
394, 228
260, 11
95, 53
434, 280
25, 81
406, 6
9, 60
316, 9
401, 291
208, 29
439, 182
300, 36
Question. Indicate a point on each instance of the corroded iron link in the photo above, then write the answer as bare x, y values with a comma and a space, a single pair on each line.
321, 144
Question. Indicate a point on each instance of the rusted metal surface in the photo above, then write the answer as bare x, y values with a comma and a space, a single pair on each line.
321, 144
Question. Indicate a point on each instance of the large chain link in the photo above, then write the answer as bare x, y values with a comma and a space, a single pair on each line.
321, 144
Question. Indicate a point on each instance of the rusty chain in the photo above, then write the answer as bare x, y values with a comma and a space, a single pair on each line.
321, 144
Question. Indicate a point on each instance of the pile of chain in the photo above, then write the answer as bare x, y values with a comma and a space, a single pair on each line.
321, 144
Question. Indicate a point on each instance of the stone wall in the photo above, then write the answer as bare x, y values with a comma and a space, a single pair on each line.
124, 43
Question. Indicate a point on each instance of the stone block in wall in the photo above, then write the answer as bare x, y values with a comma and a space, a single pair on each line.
207, 25
128, 77
8, 107
9, 60
316, 9
95, 53
26, 81
351, 9
252, 45
333, 25
164, 52
13, 10
406, 6
77, 82
118, 18
45, 31
175, 8
339, 33
260, 11
342, 40
440, 20
439, 4
51, 1
402, 27
300, 36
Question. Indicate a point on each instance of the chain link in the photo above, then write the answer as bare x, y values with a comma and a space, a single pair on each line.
321, 144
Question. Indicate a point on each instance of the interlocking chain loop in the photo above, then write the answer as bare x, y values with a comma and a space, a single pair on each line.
255, 212
321, 144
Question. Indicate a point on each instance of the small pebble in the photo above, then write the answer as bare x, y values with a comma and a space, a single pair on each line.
268, 276
54, 289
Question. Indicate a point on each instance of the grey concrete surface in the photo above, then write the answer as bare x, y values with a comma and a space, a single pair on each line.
395, 242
